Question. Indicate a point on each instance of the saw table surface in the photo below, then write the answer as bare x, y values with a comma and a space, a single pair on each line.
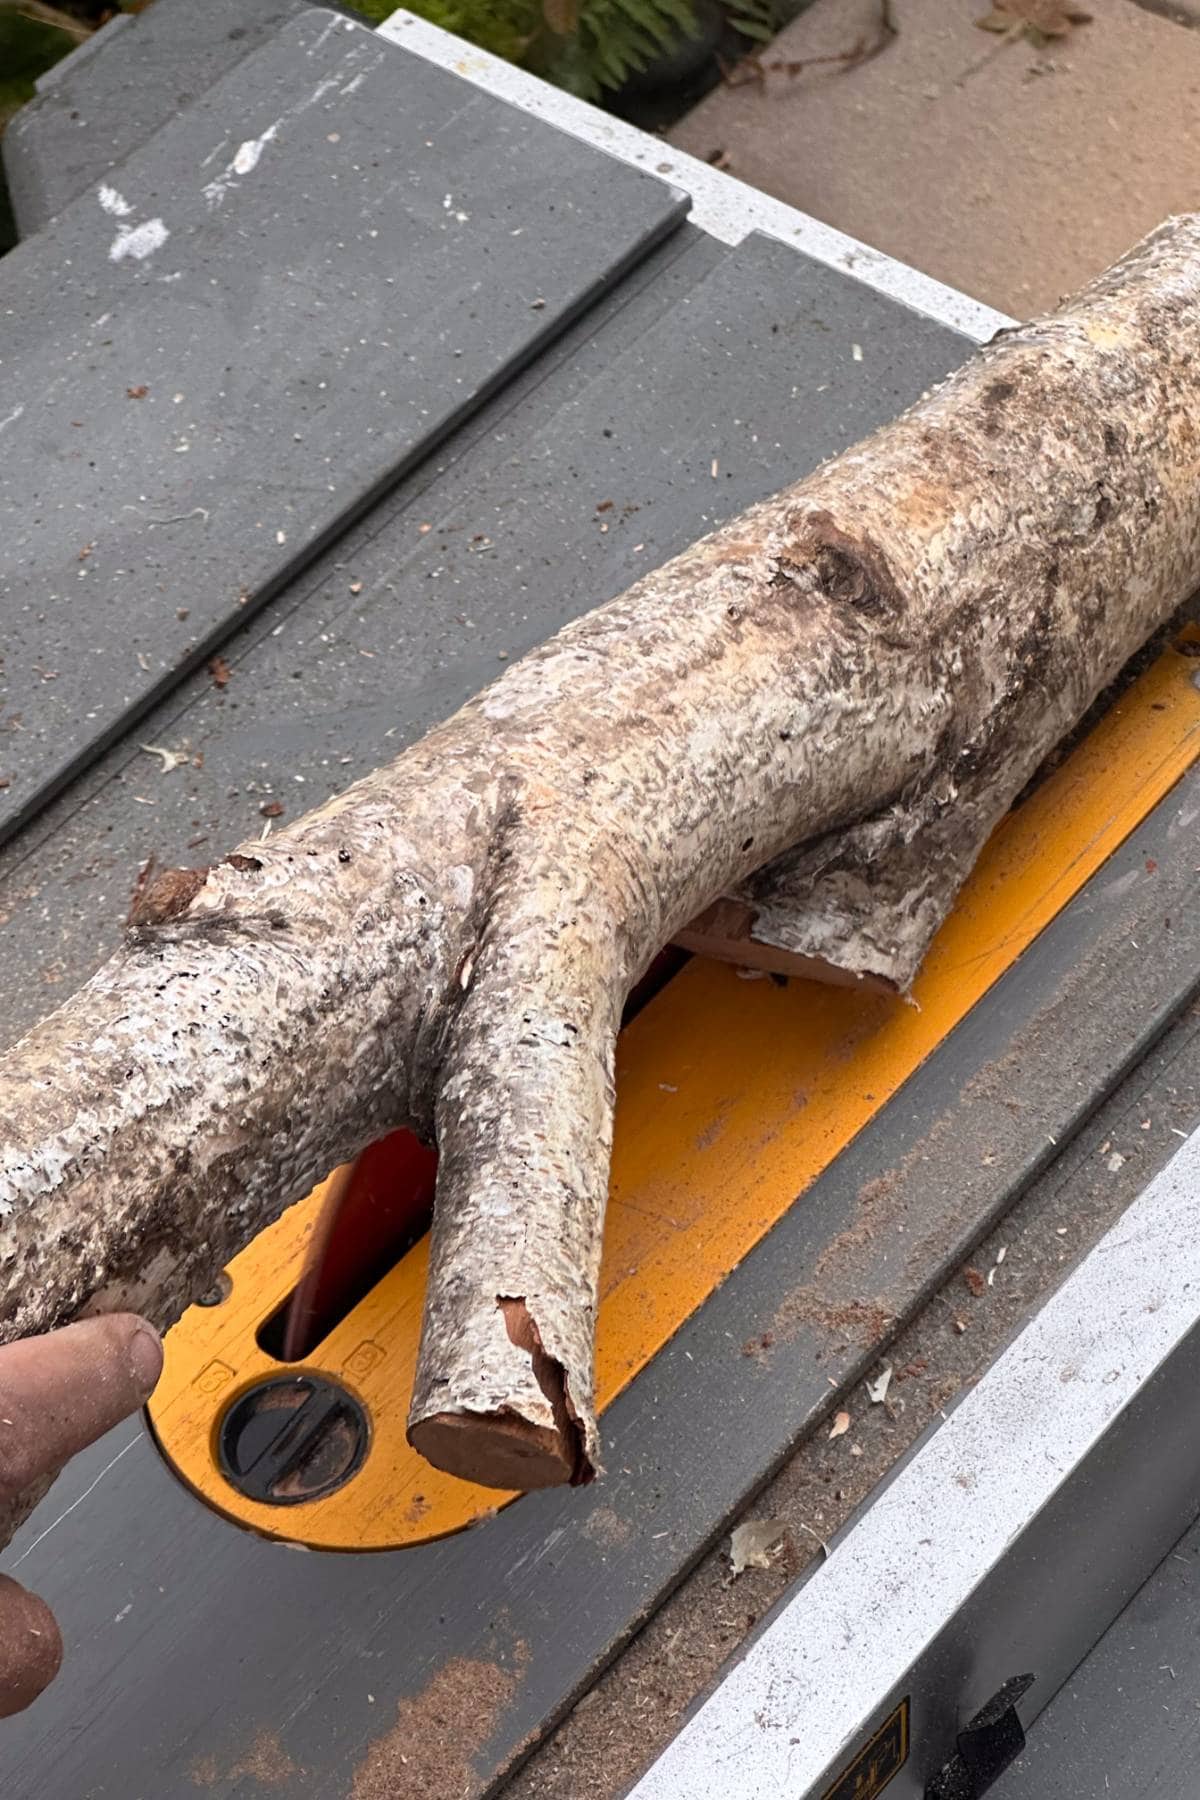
1127, 1723
554, 406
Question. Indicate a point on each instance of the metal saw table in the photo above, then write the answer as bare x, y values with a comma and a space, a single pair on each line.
320, 398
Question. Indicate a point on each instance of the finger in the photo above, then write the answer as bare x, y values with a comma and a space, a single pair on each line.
61, 1392
30, 1647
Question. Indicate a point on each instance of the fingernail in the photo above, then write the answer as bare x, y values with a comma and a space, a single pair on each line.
146, 1359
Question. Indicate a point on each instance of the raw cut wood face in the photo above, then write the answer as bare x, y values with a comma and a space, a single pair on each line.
820, 711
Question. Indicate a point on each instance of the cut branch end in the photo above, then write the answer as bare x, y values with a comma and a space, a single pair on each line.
504, 1449
500, 1450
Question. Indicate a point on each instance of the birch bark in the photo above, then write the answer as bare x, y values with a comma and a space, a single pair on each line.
822, 710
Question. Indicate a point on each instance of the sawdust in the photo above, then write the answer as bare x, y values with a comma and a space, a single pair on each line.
266, 1762
606, 1527
427, 1754
865, 1322
861, 1234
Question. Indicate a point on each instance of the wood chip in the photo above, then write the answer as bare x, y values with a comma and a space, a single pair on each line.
877, 1390
751, 1543
170, 759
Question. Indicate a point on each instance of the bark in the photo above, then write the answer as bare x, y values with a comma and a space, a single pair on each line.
820, 710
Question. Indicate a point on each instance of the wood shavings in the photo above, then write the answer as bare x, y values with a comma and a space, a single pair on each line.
751, 1543
840, 1426
877, 1390
171, 759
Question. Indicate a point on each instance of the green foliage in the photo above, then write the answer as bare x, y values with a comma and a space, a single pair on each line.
615, 39
590, 47
31, 41
501, 26
758, 20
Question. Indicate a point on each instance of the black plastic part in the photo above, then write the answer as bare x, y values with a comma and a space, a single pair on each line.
292, 1439
987, 1744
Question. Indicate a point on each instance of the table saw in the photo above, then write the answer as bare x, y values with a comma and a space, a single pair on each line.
331, 378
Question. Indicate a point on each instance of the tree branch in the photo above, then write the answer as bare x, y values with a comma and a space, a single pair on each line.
855, 677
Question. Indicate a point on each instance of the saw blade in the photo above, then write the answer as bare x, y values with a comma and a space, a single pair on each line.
376, 1209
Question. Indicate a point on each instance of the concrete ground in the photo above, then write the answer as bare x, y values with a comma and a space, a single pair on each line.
1011, 169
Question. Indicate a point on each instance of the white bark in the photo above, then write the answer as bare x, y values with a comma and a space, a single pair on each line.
857, 675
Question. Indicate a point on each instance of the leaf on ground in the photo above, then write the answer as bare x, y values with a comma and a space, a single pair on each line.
751, 1543
840, 1426
1038, 21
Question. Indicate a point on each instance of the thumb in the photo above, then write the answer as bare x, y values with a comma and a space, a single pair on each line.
30, 1647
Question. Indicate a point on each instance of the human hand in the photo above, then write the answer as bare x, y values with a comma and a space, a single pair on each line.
58, 1394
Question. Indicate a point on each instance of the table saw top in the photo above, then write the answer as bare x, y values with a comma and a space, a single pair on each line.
355, 451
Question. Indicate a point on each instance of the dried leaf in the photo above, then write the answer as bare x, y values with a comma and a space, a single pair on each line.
220, 671
751, 1543
137, 393
877, 1390
840, 1426
974, 1281
1037, 21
